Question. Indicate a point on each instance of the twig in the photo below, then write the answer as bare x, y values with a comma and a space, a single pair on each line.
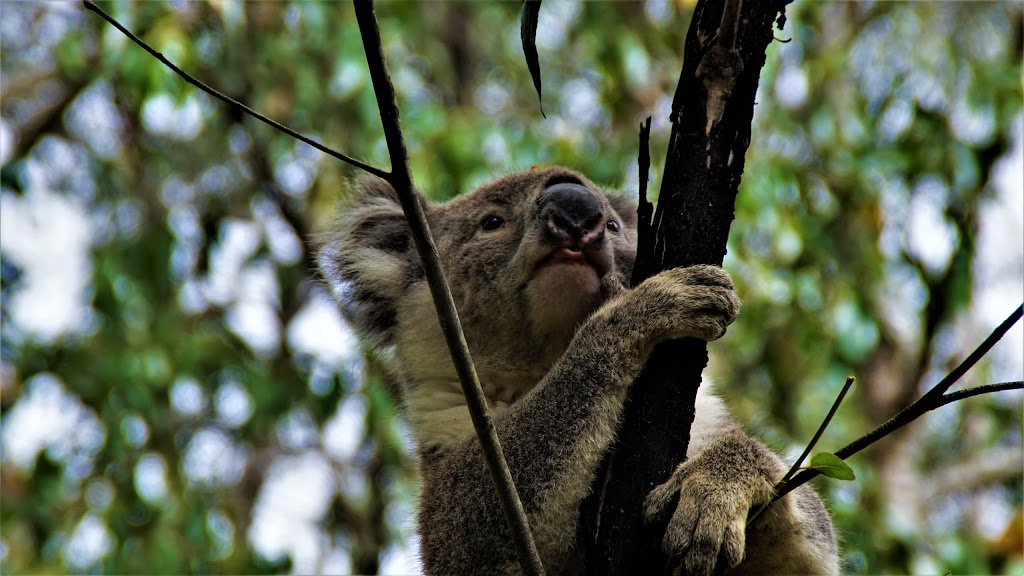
230, 101
810, 445
401, 180
973, 358
644, 207
978, 390
926, 403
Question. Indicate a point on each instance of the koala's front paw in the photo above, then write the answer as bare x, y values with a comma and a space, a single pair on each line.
715, 490
697, 301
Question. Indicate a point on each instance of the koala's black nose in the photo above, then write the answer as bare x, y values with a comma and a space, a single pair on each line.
571, 208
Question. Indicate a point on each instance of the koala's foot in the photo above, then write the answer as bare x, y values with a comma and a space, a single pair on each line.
716, 489
695, 302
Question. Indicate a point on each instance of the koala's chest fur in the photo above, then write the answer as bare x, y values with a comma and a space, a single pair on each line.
431, 391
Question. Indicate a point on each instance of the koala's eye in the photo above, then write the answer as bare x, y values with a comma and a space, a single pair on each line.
492, 222
612, 225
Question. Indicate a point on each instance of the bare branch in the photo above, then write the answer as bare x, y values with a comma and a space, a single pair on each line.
230, 101
926, 403
644, 207
951, 378
401, 180
810, 445
978, 390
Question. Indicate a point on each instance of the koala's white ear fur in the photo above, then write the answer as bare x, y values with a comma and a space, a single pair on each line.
370, 261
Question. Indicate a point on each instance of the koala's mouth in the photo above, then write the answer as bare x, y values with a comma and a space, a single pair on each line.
569, 255
575, 255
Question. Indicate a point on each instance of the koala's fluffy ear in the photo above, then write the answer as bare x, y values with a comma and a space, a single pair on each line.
369, 261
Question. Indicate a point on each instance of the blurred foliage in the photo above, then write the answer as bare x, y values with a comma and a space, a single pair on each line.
195, 405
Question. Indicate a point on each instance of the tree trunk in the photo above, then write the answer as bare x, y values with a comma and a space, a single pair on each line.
711, 119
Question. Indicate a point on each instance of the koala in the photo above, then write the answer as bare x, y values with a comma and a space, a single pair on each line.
539, 263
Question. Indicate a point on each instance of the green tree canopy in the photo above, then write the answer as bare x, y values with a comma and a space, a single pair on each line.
179, 395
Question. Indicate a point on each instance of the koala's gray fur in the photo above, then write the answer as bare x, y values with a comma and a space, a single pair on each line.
557, 338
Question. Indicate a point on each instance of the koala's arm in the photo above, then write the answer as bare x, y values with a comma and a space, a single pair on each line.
555, 436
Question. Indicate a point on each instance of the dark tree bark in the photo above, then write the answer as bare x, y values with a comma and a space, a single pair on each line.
711, 122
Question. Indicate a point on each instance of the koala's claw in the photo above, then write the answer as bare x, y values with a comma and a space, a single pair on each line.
706, 531
697, 301
707, 528
704, 275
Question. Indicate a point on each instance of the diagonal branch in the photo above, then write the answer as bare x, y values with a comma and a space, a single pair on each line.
401, 180
931, 400
230, 101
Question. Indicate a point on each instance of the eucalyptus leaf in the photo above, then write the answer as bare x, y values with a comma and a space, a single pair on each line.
830, 465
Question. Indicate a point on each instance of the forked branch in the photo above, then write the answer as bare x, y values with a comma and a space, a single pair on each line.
934, 398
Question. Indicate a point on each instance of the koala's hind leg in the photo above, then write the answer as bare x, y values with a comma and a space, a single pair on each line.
716, 489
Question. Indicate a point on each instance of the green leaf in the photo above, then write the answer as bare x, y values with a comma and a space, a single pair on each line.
830, 465
528, 31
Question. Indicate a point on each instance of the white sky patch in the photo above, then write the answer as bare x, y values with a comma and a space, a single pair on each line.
492, 98
317, 329
930, 235
233, 404
791, 87
47, 417
94, 119
999, 264
51, 300
495, 149
187, 397
89, 543
253, 316
135, 430
285, 247
7, 138
658, 11
289, 509
295, 175
344, 431
397, 560
553, 24
212, 457
151, 477
238, 241
161, 115
297, 431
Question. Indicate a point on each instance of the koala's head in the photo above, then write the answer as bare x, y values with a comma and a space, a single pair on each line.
527, 257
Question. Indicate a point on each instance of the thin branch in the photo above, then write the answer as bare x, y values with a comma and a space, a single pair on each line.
810, 445
230, 101
644, 207
401, 180
978, 390
926, 403
980, 351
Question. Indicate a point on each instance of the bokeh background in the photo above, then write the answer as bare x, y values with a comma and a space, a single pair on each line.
178, 395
